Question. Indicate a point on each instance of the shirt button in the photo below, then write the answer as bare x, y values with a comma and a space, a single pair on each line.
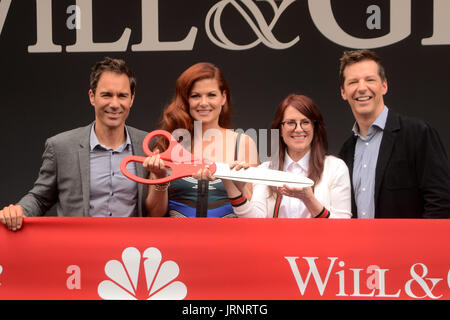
367, 143
363, 189
363, 213
365, 166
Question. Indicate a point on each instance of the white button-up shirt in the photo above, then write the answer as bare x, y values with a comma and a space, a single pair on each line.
294, 207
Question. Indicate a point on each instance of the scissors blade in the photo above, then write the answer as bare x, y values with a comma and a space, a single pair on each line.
262, 176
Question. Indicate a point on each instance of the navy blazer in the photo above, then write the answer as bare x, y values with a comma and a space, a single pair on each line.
412, 178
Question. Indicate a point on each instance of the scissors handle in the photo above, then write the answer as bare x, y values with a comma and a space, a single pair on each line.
178, 170
167, 154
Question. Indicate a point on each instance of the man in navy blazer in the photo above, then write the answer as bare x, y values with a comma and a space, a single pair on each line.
80, 171
398, 165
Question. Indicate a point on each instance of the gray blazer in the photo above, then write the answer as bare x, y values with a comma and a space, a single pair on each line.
64, 175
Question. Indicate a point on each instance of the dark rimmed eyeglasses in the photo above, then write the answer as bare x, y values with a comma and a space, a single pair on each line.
305, 124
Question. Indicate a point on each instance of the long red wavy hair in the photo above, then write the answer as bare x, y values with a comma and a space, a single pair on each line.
176, 115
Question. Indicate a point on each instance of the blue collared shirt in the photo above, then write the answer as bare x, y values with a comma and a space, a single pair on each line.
111, 193
365, 164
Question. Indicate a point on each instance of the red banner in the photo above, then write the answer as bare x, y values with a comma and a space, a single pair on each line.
225, 259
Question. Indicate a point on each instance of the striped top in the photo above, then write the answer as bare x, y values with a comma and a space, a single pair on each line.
183, 197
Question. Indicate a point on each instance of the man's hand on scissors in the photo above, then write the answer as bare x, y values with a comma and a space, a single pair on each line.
12, 217
155, 165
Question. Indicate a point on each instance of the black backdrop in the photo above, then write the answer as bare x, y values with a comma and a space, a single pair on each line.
46, 93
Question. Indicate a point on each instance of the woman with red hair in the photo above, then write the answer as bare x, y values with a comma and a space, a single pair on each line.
303, 147
202, 102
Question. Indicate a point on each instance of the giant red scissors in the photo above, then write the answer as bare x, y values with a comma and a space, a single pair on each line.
187, 165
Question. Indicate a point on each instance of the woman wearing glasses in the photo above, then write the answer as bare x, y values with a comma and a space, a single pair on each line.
302, 151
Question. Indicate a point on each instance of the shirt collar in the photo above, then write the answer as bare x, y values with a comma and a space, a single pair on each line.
95, 143
380, 122
303, 162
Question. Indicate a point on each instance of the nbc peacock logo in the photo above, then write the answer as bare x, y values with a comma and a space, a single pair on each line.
126, 281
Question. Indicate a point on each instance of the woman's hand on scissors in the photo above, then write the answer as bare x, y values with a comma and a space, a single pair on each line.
304, 194
203, 174
238, 165
155, 165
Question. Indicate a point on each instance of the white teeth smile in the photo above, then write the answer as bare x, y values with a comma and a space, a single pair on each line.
298, 138
363, 98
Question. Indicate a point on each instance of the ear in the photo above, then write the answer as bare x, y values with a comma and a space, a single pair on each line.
92, 97
224, 97
132, 99
343, 94
385, 87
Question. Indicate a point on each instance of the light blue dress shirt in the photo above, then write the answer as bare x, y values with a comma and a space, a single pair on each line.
111, 193
365, 164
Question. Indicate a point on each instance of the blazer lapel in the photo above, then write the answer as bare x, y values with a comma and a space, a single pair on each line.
84, 163
384, 154
348, 155
351, 161
136, 143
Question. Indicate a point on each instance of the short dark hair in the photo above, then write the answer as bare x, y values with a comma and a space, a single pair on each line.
111, 65
354, 56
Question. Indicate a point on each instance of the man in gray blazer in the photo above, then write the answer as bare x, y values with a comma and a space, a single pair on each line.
80, 172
